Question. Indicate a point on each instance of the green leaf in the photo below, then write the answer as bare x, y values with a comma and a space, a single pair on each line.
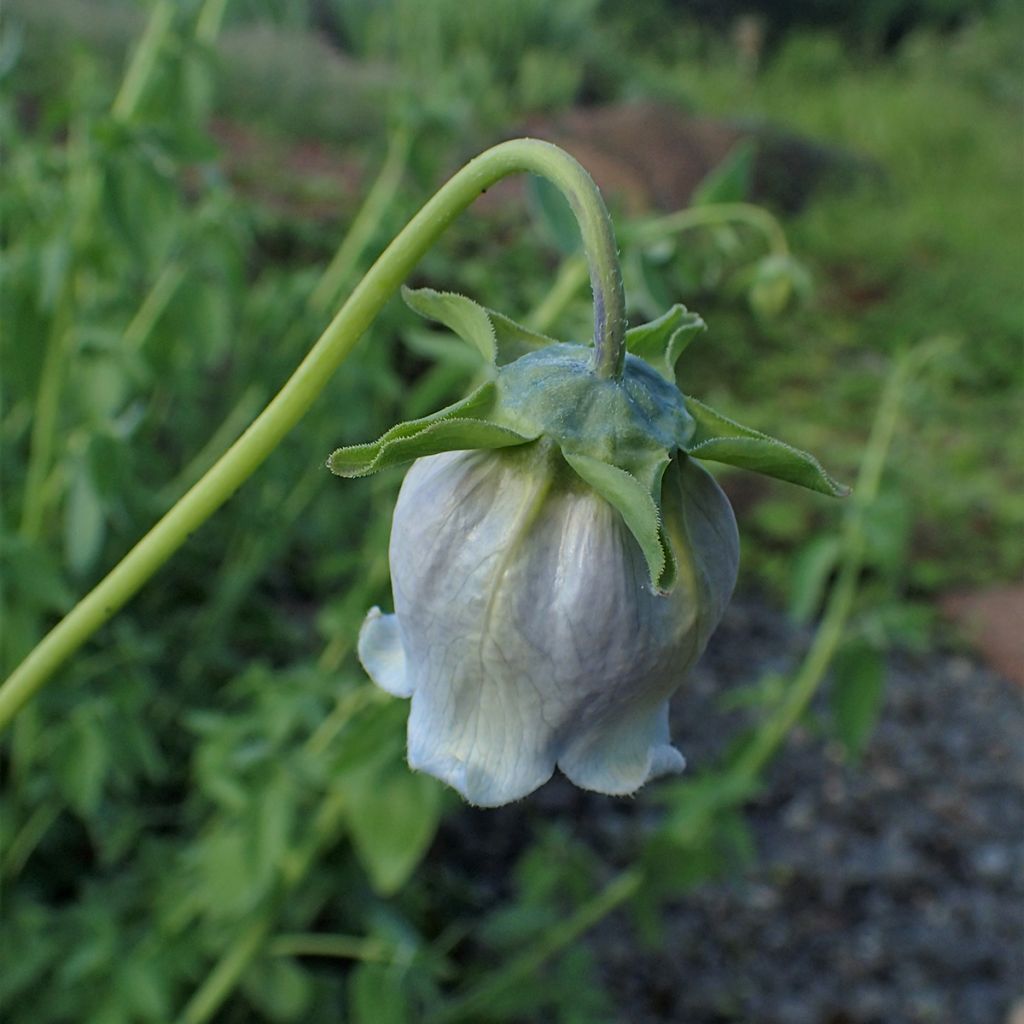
280, 988
377, 995
661, 342
85, 522
729, 182
721, 439
637, 507
858, 686
457, 428
811, 570
554, 213
647, 282
774, 281
495, 336
393, 816
83, 761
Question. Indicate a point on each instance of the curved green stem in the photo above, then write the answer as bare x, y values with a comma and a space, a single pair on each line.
299, 393
573, 271
705, 216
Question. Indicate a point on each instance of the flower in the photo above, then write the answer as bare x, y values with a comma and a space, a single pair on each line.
526, 629
559, 557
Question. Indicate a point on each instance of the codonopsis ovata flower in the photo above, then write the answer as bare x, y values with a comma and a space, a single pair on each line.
559, 558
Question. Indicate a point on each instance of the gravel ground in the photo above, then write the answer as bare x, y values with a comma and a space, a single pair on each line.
887, 893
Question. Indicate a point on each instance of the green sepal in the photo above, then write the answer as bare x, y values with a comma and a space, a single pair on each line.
721, 439
638, 508
663, 341
497, 338
460, 427
460, 315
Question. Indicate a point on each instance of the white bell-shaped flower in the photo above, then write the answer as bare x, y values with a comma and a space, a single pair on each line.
526, 628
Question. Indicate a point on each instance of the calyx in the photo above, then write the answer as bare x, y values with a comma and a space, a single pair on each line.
619, 434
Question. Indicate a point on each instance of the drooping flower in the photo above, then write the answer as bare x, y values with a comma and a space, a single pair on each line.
526, 630
559, 559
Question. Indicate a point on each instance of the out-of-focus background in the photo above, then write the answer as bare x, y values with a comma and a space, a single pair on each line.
206, 816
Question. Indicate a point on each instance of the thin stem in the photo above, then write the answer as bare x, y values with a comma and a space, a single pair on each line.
241, 414
573, 271
84, 190
833, 624
139, 328
210, 20
221, 981
29, 837
47, 414
228, 971
523, 968
705, 216
365, 222
571, 275
342, 947
299, 393
136, 78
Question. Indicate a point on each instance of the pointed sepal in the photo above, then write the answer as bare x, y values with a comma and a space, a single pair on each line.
497, 338
720, 439
638, 508
459, 427
661, 342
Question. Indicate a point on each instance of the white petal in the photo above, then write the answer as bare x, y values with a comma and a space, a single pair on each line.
492, 753
527, 632
382, 653
618, 756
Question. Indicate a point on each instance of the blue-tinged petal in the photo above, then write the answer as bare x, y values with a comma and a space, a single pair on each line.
528, 621
382, 653
618, 755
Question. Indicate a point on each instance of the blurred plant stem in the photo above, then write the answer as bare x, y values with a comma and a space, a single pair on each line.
210, 21
140, 327
83, 190
339, 947
752, 758
522, 968
327, 823
45, 418
228, 971
306, 383
572, 274
571, 277
144, 61
364, 224
648, 231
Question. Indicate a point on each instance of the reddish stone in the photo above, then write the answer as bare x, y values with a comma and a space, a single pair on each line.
993, 622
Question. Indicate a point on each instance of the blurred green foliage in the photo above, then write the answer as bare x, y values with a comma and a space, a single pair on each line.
209, 808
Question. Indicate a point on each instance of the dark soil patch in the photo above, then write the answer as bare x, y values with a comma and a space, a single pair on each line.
883, 893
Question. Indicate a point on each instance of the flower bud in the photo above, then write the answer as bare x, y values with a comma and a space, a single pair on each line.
526, 628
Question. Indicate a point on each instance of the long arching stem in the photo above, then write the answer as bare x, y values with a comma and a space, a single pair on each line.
337, 341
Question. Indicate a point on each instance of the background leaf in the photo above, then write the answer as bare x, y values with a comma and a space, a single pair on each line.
393, 815
858, 688
730, 181
553, 213
723, 440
